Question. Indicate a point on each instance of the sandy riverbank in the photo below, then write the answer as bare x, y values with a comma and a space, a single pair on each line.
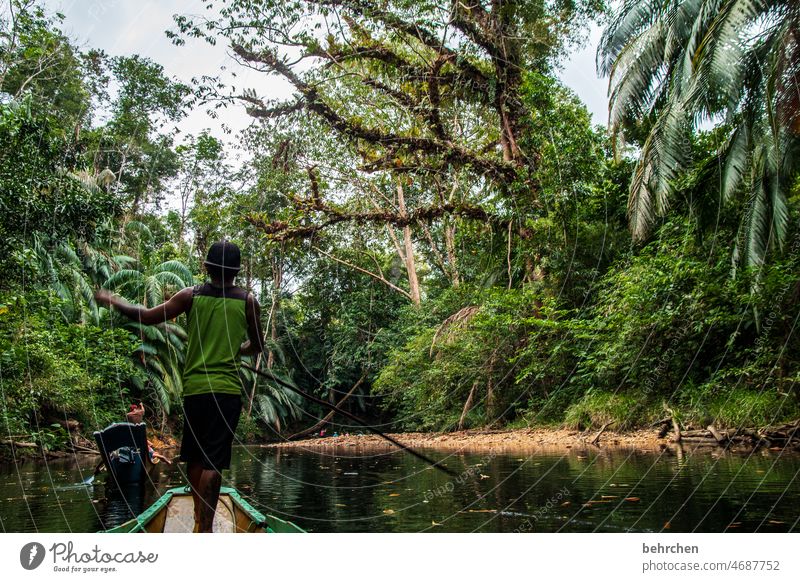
482, 440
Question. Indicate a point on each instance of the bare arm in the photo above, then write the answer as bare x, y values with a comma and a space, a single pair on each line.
255, 343
179, 303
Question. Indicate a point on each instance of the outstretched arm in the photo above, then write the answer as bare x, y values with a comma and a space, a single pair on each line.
255, 343
179, 303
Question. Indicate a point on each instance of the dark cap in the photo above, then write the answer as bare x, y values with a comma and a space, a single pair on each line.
224, 255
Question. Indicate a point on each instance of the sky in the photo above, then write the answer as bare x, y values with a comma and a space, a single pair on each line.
125, 27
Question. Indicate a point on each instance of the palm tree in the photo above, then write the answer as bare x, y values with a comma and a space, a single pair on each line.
674, 64
274, 403
71, 270
160, 354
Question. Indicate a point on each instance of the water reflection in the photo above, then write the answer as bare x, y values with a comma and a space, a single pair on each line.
121, 503
369, 490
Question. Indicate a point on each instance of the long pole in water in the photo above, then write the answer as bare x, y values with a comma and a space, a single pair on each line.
352, 417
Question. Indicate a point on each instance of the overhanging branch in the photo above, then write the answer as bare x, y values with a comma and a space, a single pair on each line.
278, 230
353, 129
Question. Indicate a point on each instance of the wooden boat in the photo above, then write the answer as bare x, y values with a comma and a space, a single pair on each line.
173, 512
123, 448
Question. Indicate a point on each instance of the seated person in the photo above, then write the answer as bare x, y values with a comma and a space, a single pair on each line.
135, 415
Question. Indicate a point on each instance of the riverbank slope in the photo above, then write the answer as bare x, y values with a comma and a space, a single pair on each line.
786, 437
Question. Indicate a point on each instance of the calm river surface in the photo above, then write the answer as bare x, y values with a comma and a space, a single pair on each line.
381, 491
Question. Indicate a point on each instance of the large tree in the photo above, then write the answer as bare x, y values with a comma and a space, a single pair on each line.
425, 99
421, 75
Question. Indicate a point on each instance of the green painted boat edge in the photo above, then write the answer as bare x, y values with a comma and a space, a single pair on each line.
271, 523
137, 524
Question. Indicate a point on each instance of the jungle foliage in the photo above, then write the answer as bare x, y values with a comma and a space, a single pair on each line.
439, 236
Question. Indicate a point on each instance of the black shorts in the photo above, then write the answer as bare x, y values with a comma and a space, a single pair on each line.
209, 424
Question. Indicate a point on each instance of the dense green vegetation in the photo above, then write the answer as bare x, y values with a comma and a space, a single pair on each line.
438, 235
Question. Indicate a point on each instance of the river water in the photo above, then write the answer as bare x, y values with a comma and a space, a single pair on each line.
388, 491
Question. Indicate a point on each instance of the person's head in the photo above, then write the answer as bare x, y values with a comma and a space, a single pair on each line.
223, 261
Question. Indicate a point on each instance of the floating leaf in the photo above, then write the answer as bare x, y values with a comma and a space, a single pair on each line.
388, 511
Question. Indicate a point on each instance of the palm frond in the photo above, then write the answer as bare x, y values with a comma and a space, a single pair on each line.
177, 268
663, 155
125, 278
631, 18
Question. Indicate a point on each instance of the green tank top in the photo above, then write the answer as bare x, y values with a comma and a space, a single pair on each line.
217, 328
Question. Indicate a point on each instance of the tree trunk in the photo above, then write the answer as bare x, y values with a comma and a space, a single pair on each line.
450, 246
408, 255
467, 406
277, 281
490, 392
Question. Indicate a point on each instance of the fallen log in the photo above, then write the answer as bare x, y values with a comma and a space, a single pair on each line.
677, 430
325, 419
785, 435
19, 444
757, 438
602, 430
81, 449
703, 441
793, 434
718, 436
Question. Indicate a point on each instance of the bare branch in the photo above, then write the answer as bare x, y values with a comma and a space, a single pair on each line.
365, 271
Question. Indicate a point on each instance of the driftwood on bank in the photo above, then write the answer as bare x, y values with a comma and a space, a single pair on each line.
81, 449
325, 419
603, 428
786, 436
19, 444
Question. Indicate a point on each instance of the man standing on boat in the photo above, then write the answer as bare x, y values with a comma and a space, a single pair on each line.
223, 325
